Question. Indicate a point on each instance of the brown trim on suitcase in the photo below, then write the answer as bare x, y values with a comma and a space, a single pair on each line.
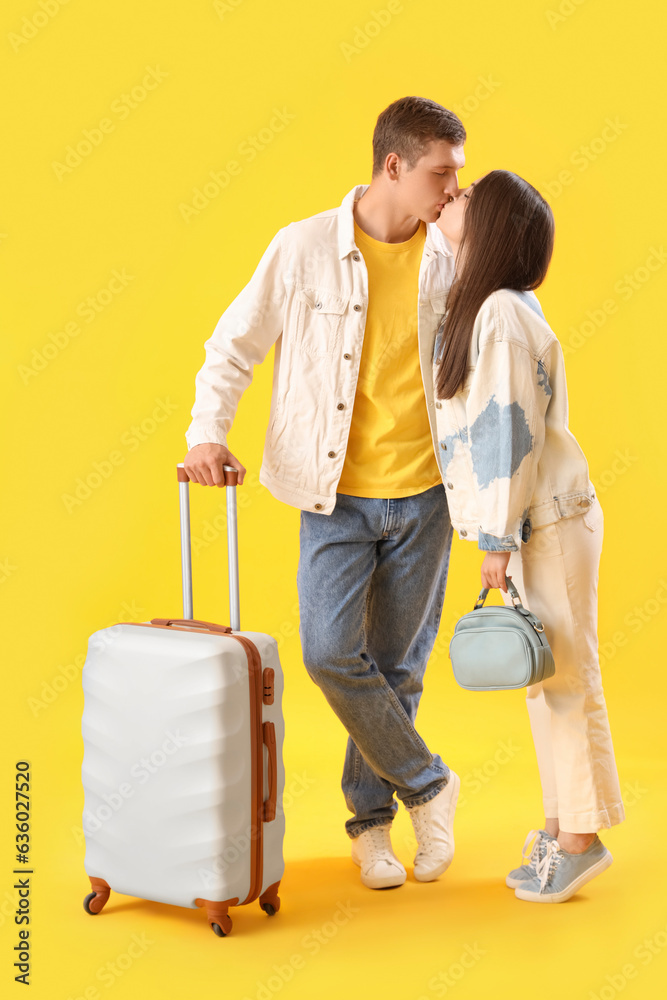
256, 742
256, 763
269, 735
102, 890
268, 678
210, 626
216, 911
270, 895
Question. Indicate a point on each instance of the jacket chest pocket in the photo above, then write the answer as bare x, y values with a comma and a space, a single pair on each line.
319, 321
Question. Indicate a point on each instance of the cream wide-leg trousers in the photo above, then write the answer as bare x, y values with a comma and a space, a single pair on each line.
556, 573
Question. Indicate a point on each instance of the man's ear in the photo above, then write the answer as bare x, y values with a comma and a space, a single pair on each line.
392, 166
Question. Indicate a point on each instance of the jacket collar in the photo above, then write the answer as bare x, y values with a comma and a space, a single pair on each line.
435, 242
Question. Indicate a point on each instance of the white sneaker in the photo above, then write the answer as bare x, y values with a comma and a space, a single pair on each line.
433, 824
372, 851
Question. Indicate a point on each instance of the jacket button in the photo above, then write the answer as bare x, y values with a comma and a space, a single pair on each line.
443, 446
584, 502
356, 257
332, 454
341, 406
438, 405
318, 305
347, 356
450, 486
357, 308
463, 533
318, 506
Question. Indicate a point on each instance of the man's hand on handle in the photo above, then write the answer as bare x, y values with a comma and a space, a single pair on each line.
204, 463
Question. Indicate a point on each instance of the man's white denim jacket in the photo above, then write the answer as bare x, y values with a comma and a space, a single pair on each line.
510, 462
309, 296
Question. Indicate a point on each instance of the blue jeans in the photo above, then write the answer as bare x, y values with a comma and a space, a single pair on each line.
371, 581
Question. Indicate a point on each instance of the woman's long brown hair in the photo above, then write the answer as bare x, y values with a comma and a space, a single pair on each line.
507, 242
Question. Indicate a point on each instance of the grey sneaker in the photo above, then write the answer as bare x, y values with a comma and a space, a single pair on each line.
525, 872
559, 874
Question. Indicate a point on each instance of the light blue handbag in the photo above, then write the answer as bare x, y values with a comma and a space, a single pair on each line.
498, 647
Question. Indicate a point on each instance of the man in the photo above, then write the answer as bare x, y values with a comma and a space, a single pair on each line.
352, 299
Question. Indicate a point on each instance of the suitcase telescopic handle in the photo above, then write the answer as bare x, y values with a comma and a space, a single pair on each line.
231, 477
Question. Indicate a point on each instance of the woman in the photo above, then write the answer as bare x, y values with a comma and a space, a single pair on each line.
517, 483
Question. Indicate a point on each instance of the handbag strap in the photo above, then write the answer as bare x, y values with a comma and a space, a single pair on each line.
516, 602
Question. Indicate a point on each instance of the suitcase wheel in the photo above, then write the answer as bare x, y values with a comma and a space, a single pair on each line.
270, 900
216, 912
91, 908
96, 900
222, 925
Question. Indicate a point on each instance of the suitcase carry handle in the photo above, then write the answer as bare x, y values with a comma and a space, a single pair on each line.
231, 476
211, 626
269, 737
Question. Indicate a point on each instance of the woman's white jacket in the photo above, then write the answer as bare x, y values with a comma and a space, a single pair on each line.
510, 463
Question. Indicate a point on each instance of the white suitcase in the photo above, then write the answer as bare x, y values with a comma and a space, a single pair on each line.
182, 766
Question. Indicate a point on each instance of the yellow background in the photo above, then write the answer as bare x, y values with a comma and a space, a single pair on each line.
534, 87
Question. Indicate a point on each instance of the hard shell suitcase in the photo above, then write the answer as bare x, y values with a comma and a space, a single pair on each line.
182, 766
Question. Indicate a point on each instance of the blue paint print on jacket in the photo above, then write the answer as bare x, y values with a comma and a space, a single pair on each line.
531, 300
543, 378
447, 444
500, 439
510, 477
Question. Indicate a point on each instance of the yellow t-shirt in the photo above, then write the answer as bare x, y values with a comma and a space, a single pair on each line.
390, 448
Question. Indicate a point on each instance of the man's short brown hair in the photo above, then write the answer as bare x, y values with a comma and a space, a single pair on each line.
407, 127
